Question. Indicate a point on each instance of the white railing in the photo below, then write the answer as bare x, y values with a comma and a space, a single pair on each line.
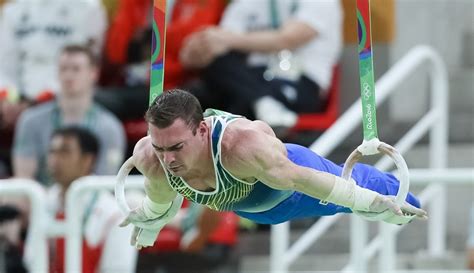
73, 217
385, 241
435, 121
41, 229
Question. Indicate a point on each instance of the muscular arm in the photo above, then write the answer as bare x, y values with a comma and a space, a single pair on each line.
264, 157
202, 47
291, 35
254, 153
156, 185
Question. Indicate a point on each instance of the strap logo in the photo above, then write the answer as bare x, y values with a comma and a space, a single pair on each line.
366, 91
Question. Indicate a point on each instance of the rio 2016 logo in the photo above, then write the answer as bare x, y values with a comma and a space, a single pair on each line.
366, 92
368, 117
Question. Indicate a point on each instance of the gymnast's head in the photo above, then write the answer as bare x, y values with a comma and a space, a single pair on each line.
177, 128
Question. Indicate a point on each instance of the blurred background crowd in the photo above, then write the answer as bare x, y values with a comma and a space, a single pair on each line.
74, 80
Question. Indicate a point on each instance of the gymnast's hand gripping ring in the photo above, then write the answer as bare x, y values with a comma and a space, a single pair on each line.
375, 146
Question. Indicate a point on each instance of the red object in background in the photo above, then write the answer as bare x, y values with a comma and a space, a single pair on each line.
44, 96
3, 93
227, 230
324, 120
168, 240
135, 129
90, 255
188, 16
131, 16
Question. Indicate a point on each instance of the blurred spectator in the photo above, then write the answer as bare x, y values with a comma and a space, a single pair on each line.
127, 50
470, 241
268, 59
187, 17
32, 34
105, 247
78, 72
207, 241
129, 36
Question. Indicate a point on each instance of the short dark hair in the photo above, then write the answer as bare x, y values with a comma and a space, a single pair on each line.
82, 49
88, 142
172, 105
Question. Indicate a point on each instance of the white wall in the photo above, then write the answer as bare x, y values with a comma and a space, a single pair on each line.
443, 24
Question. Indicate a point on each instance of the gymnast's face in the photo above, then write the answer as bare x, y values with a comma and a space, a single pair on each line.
178, 146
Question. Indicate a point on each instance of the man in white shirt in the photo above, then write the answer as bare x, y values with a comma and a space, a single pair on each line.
32, 34
269, 58
72, 154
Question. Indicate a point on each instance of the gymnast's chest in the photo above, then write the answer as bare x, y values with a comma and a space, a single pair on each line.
203, 185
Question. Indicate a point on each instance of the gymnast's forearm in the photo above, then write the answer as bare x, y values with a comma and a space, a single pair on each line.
159, 198
159, 191
334, 189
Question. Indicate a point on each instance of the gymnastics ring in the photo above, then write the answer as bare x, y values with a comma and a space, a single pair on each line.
126, 168
373, 147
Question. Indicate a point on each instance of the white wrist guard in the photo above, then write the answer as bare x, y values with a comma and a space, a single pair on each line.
154, 210
348, 194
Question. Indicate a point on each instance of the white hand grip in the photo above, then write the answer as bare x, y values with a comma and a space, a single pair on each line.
120, 186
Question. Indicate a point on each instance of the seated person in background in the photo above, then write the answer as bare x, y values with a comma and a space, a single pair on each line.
32, 34
187, 17
127, 50
72, 155
268, 59
78, 72
208, 238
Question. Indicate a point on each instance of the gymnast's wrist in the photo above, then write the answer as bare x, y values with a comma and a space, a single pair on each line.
348, 194
363, 198
154, 210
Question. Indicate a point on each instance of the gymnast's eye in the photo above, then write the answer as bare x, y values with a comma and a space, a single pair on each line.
176, 148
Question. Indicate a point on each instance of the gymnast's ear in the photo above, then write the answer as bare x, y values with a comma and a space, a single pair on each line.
202, 128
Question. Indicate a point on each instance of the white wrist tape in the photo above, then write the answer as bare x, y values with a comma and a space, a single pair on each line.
154, 210
149, 230
363, 198
348, 194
